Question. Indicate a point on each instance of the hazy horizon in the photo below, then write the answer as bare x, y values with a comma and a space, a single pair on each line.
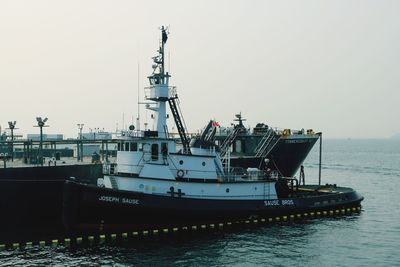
329, 66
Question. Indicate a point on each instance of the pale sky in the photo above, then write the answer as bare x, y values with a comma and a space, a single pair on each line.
328, 65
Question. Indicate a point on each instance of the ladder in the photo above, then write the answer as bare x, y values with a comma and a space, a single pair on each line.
225, 152
266, 144
267, 190
220, 172
180, 123
226, 144
114, 184
264, 190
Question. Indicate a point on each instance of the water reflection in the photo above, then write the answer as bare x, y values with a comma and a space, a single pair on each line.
301, 242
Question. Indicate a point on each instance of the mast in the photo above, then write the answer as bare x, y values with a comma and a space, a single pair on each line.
240, 120
160, 92
164, 38
138, 99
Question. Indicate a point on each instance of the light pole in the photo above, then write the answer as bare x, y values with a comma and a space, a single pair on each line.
320, 158
11, 126
80, 147
41, 123
94, 132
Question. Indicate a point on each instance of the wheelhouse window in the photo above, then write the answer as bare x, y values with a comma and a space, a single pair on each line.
154, 152
119, 147
134, 146
126, 146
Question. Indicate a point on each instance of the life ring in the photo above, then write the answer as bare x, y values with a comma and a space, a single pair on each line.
180, 173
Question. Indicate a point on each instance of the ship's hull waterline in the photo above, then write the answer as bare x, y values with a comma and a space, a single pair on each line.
92, 209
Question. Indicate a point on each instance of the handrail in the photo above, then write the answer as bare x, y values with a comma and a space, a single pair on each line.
278, 130
171, 91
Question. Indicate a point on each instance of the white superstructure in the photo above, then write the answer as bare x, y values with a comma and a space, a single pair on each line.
150, 162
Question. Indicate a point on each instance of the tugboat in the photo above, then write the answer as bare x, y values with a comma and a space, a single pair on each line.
155, 183
284, 149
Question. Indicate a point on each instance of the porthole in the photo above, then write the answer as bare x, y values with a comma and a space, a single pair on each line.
181, 162
204, 164
255, 188
227, 190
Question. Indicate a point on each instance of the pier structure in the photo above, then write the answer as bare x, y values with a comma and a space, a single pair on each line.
34, 152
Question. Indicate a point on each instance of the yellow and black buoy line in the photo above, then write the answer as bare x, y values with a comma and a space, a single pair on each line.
126, 236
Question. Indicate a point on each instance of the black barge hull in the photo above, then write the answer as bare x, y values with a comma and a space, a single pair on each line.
286, 157
31, 199
100, 210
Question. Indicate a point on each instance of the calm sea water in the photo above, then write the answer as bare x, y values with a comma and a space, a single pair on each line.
371, 238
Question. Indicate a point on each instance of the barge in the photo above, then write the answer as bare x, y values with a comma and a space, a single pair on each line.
31, 198
280, 150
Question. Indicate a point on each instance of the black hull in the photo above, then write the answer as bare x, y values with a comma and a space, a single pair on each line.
286, 157
31, 199
96, 210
